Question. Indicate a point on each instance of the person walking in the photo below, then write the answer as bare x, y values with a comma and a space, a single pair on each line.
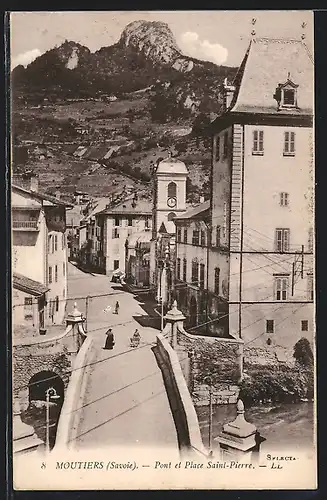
117, 307
110, 340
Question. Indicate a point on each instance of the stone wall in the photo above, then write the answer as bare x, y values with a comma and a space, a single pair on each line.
211, 360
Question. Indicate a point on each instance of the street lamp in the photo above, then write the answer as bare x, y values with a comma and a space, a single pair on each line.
208, 380
49, 393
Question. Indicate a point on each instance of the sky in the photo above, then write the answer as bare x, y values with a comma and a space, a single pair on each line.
217, 36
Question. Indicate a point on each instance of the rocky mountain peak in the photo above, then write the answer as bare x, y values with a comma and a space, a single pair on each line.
155, 41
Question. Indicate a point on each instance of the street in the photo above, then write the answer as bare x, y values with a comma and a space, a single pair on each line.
125, 401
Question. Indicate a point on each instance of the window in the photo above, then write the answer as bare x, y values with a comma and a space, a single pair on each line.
130, 221
63, 268
282, 237
225, 144
63, 242
217, 278
289, 144
284, 199
281, 288
57, 303
257, 142
28, 308
172, 189
55, 242
171, 216
217, 151
270, 324
178, 268
304, 325
116, 264
202, 276
310, 287
288, 97
195, 237
179, 234
218, 236
184, 269
146, 223
117, 221
185, 235
115, 232
203, 238
50, 244
50, 275
195, 272
56, 272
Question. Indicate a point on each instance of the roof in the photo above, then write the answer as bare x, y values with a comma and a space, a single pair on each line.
99, 207
128, 207
21, 282
267, 64
41, 196
139, 237
171, 166
201, 210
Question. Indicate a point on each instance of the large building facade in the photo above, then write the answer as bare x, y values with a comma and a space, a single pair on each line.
39, 247
262, 194
108, 230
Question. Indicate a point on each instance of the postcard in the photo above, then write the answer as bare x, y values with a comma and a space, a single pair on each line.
163, 287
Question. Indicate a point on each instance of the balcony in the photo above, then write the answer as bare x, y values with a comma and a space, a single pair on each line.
25, 225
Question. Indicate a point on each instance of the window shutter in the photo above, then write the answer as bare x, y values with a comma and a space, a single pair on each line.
287, 142
292, 142
255, 140
261, 140
286, 238
113, 233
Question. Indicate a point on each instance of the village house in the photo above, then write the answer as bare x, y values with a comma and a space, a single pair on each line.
261, 219
117, 223
74, 217
39, 244
28, 302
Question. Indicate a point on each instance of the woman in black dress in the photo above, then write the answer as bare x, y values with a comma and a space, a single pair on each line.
110, 340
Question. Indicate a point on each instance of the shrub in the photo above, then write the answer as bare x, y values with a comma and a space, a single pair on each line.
303, 353
277, 384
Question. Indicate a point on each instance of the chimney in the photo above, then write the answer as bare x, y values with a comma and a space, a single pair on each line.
34, 183
227, 93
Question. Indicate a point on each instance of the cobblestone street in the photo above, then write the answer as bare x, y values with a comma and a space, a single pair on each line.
125, 399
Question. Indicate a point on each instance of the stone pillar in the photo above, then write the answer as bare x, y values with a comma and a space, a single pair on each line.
76, 319
174, 316
239, 439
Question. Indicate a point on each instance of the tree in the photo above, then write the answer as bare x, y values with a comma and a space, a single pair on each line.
303, 353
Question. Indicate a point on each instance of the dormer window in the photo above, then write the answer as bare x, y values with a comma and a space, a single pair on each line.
286, 94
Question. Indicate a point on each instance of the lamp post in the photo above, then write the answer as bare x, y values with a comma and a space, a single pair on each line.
49, 393
209, 381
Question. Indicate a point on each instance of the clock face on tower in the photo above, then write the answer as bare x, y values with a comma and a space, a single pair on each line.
171, 202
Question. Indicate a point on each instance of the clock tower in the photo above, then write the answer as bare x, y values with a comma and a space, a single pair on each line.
169, 194
169, 201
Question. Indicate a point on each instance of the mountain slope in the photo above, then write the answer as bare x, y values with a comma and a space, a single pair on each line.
145, 54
